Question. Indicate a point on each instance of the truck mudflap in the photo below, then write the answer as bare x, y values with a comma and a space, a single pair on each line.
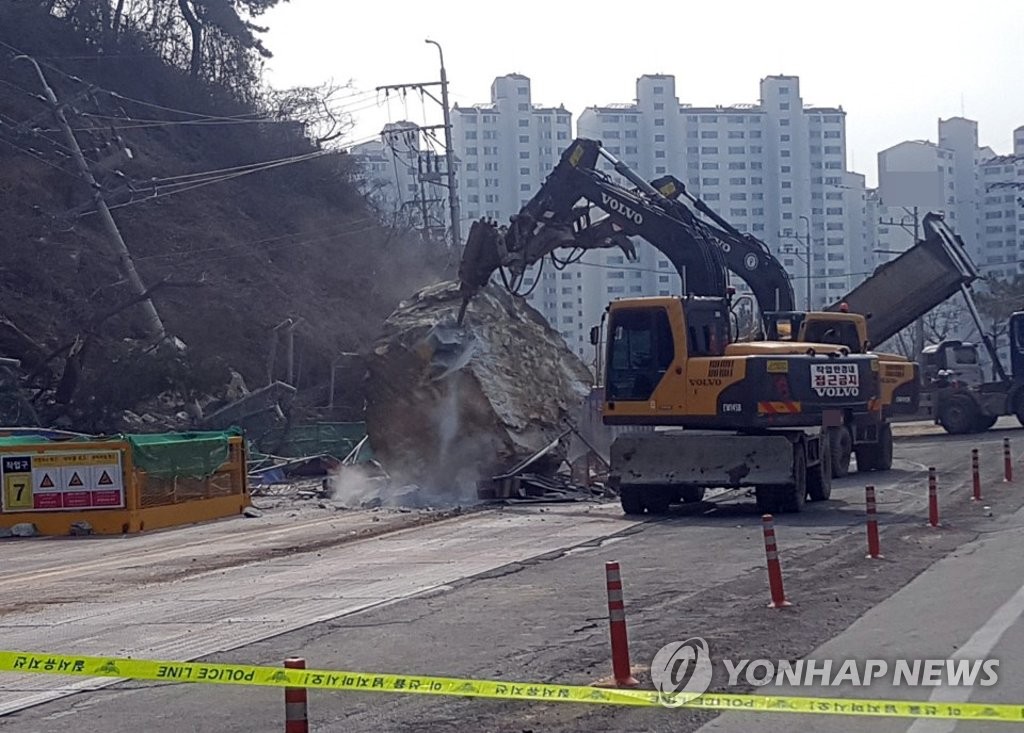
688, 458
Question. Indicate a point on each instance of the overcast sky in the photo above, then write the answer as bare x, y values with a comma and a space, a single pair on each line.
896, 67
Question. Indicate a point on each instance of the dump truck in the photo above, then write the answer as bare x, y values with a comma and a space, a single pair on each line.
954, 392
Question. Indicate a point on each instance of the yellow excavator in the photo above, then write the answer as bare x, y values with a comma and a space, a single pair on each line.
729, 413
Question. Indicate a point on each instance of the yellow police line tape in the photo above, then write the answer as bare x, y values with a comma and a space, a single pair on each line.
252, 675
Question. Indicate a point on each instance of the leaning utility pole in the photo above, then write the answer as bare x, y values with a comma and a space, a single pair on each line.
155, 325
449, 151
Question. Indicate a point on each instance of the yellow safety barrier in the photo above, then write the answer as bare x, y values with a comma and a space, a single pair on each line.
250, 675
55, 485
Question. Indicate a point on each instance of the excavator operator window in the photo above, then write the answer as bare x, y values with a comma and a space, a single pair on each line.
641, 350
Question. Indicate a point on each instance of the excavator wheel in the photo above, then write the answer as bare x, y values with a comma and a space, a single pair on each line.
985, 422
631, 500
692, 494
819, 477
840, 445
1018, 407
791, 499
958, 415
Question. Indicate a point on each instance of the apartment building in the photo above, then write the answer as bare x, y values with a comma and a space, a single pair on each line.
388, 166
1002, 211
775, 168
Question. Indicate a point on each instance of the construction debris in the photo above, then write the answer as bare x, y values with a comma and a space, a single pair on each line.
449, 405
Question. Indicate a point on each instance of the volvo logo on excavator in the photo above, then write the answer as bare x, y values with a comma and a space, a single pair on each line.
613, 204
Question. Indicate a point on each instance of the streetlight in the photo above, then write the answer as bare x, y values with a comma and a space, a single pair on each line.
453, 198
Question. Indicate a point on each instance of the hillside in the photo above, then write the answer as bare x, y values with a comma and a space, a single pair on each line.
229, 259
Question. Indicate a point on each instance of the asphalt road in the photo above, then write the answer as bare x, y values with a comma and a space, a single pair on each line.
519, 595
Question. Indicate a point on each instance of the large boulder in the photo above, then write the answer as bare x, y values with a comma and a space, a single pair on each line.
448, 405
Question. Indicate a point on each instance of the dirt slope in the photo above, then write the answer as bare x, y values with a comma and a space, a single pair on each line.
241, 255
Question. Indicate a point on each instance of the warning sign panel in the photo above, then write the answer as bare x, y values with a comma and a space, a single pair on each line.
62, 481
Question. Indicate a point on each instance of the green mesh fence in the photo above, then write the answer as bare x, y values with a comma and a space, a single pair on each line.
181, 455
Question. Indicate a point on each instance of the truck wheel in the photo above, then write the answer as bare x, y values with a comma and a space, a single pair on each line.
692, 494
632, 503
819, 477
792, 497
958, 415
840, 445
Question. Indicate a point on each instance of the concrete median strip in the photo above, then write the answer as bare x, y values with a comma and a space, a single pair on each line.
349, 681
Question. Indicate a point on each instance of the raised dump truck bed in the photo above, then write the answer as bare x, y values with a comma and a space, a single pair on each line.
901, 291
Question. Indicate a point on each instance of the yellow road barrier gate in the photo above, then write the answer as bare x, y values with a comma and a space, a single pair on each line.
121, 485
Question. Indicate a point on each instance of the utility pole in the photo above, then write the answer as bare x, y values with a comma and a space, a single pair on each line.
912, 227
790, 249
449, 151
153, 322
807, 250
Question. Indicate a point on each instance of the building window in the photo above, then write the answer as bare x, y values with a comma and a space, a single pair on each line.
736, 134
783, 106
738, 166
737, 150
784, 122
659, 153
709, 166
708, 134
524, 155
709, 150
709, 182
523, 91
659, 90
755, 133
471, 134
524, 171
524, 139
659, 105
737, 181
659, 138
471, 151
660, 122
783, 90
737, 197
